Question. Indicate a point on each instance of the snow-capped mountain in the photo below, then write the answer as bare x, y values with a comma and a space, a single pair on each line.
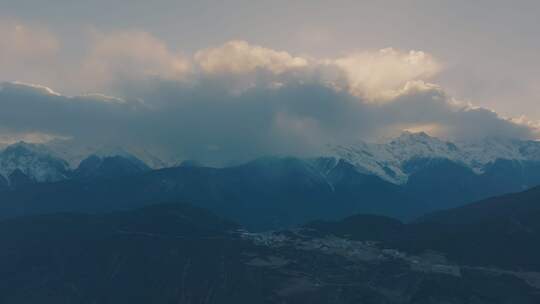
74, 152
389, 160
33, 162
393, 160
25, 163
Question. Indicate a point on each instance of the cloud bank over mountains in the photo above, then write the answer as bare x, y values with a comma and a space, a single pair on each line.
234, 101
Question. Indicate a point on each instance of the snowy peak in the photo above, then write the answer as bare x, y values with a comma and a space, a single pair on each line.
420, 145
23, 149
393, 161
22, 161
75, 151
388, 160
407, 136
490, 149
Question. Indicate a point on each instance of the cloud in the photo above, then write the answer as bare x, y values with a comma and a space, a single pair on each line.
129, 56
376, 76
239, 57
239, 101
380, 74
39, 138
208, 123
114, 59
238, 66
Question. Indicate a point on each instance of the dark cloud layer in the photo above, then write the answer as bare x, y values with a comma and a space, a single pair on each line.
207, 122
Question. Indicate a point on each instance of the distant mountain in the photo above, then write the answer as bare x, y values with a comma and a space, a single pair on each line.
394, 160
25, 163
190, 163
109, 166
267, 193
75, 151
517, 207
407, 177
397, 159
272, 192
4, 183
446, 184
175, 253
502, 231
445, 174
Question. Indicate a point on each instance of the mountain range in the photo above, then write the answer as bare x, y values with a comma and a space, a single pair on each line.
24, 164
392, 160
415, 220
404, 178
396, 159
485, 252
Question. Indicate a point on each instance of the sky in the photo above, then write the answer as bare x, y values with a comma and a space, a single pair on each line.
298, 73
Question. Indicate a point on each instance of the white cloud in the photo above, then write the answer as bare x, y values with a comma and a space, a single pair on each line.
239, 57
529, 123
380, 75
376, 76
372, 75
36, 88
120, 57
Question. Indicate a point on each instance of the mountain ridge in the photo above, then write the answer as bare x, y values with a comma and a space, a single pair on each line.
23, 164
388, 159
272, 192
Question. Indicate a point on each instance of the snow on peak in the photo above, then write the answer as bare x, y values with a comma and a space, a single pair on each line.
420, 145
34, 161
388, 159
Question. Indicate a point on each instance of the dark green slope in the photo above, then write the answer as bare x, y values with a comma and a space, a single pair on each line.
502, 231
180, 254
